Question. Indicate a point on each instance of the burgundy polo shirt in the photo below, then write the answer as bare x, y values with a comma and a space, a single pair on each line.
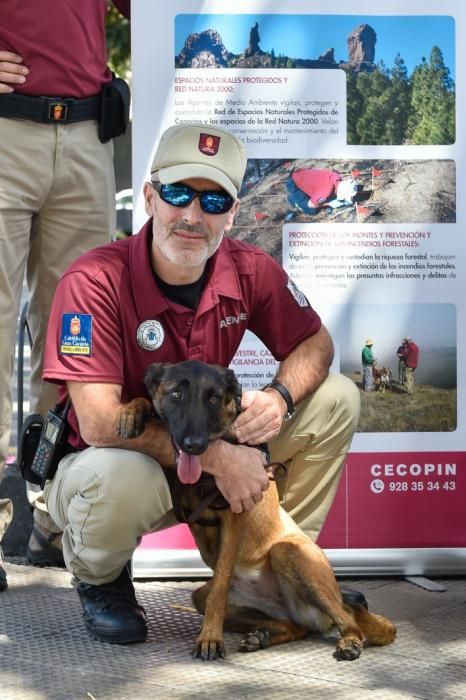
62, 43
109, 320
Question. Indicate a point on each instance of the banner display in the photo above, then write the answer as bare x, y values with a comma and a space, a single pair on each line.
350, 121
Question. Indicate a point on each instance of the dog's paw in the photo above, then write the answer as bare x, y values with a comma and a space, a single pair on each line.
254, 640
128, 425
209, 650
133, 418
348, 649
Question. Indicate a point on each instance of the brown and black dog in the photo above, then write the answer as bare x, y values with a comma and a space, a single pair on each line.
271, 581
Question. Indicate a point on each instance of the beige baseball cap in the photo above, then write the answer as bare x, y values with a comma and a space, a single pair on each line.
199, 150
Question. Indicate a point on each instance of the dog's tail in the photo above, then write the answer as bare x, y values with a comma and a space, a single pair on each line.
377, 630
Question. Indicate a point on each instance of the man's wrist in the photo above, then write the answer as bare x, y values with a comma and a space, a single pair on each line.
286, 396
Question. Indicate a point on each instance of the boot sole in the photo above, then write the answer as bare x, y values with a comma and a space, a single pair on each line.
115, 638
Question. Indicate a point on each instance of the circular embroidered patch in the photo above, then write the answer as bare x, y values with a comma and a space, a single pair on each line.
150, 335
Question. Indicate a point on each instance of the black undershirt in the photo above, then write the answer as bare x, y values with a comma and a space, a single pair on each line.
185, 294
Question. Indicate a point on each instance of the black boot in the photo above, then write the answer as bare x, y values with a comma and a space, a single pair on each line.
111, 611
44, 548
352, 597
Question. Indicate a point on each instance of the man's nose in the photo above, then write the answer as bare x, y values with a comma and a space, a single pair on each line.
193, 212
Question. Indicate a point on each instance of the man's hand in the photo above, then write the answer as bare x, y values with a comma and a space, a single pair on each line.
12, 71
261, 418
239, 473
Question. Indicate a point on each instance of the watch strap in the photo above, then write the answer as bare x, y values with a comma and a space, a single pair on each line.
286, 396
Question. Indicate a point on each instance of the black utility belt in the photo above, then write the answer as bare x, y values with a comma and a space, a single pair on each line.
50, 110
110, 108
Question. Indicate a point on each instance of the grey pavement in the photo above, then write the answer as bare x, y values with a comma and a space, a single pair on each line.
46, 654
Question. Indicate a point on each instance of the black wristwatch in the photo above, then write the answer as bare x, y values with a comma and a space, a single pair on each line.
286, 396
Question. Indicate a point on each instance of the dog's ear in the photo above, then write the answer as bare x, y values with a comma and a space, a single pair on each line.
154, 375
233, 387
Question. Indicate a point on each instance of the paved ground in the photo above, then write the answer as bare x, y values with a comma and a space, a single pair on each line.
45, 653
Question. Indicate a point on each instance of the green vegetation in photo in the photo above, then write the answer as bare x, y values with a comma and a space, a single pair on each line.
388, 107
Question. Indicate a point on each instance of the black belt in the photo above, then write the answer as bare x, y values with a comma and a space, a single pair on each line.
49, 110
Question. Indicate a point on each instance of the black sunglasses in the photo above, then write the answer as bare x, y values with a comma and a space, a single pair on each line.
181, 195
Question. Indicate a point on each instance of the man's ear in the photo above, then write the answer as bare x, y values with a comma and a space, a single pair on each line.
149, 197
154, 375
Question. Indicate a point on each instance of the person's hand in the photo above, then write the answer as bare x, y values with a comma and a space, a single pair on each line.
12, 71
261, 418
239, 473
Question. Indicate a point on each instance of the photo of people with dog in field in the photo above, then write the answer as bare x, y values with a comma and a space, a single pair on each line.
403, 360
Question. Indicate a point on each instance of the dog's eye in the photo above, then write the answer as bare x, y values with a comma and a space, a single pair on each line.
214, 399
177, 395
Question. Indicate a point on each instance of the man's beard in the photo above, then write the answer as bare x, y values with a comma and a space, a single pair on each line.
172, 247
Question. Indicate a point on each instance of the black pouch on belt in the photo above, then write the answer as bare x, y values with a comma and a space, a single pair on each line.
114, 109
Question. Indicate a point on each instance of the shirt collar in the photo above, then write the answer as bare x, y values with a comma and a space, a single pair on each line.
149, 302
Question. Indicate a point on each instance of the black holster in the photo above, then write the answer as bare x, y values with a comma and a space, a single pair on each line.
114, 109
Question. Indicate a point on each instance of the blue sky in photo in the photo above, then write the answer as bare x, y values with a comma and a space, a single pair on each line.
309, 36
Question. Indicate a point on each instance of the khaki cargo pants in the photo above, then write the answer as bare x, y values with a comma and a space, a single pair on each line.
105, 499
57, 200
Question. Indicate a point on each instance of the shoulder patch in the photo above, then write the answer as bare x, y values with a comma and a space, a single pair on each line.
76, 334
299, 297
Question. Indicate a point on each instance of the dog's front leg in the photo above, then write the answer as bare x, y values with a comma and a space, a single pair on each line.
209, 644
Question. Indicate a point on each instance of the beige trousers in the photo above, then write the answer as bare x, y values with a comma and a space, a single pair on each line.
104, 499
409, 380
57, 200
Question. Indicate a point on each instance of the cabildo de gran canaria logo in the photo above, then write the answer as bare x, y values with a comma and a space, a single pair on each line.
76, 334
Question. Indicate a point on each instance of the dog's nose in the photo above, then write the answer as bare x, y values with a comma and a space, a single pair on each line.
194, 445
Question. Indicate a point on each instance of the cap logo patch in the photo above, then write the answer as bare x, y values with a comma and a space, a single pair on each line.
150, 335
209, 144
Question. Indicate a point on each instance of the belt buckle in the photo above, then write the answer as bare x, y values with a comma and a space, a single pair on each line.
57, 110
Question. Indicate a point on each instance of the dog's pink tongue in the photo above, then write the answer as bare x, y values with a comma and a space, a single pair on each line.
189, 468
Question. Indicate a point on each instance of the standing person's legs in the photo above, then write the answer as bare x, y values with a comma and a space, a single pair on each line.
313, 444
367, 377
26, 163
409, 379
78, 214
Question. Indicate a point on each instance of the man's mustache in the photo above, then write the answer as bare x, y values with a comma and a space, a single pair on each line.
196, 228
